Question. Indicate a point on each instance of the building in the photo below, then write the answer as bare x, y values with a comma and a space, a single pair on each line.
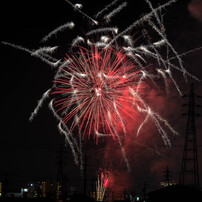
168, 183
0, 189
16, 194
46, 189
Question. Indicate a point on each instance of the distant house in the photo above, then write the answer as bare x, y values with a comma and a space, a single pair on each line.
15, 194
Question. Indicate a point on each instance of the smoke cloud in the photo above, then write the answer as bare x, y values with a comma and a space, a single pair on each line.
195, 8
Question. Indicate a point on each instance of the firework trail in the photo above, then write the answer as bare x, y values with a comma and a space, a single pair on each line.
77, 8
101, 185
106, 8
69, 25
40, 102
115, 11
100, 82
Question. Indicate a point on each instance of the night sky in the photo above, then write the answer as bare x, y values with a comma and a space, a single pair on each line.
29, 151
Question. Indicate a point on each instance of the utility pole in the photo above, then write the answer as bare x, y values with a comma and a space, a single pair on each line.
189, 168
168, 176
144, 190
84, 174
61, 178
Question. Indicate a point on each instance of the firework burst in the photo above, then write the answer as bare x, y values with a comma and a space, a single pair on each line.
100, 82
95, 86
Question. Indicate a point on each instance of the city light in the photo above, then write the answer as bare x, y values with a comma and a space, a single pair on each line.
25, 190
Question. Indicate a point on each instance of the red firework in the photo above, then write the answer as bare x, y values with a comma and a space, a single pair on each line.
93, 91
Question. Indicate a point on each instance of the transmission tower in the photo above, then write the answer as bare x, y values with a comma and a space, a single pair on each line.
61, 177
189, 170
